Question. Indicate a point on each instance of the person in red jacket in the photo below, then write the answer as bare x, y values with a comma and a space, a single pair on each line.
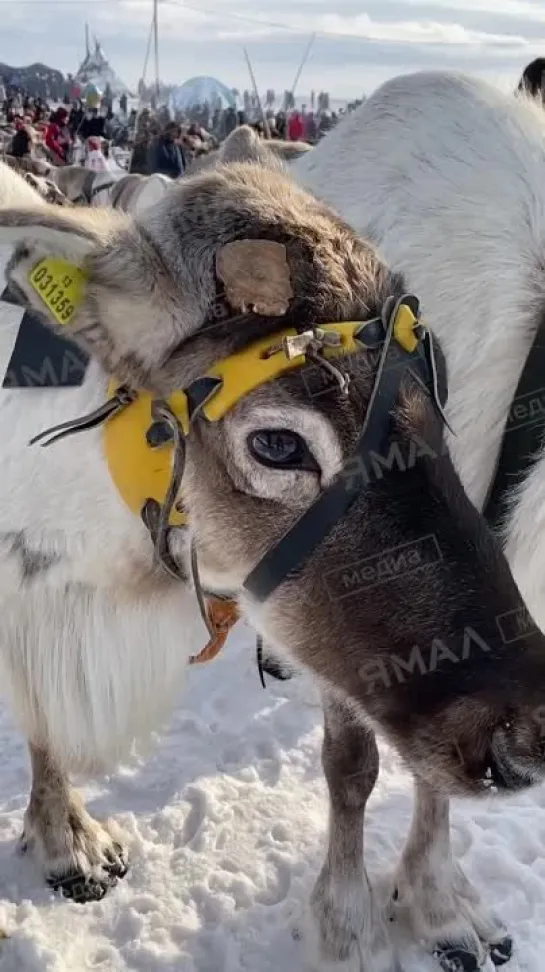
55, 137
295, 127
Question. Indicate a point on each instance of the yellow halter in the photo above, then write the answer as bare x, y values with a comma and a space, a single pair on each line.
142, 472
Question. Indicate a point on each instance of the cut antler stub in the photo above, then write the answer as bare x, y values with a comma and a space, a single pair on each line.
256, 276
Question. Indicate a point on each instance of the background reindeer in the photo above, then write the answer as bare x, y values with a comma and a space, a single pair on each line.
445, 174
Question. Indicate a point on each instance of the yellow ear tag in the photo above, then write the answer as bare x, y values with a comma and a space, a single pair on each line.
404, 326
60, 285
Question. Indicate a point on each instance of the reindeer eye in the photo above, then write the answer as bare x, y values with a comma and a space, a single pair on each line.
281, 449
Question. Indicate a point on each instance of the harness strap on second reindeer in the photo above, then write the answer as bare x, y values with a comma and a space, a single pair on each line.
89, 190
86, 188
523, 435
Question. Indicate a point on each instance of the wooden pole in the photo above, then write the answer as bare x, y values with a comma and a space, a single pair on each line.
266, 127
156, 46
148, 52
144, 72
305, 58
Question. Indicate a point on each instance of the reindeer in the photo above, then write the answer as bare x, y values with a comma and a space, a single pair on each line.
445, 174
129, 193
132, 193
47, 189
38, 175
244, 328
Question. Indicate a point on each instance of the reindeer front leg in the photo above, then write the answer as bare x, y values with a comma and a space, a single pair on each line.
81, 857
443, 908
346, 932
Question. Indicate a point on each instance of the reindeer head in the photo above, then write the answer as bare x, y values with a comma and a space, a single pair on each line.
237, 256
46, 189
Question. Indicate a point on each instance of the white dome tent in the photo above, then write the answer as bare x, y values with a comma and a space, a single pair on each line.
199, 91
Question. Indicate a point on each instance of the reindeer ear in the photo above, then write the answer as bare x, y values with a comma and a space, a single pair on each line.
93, 276
242, 145
51, 248
256, 276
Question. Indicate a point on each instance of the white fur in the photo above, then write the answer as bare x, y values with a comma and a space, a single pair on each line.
447, 175
47, 239
88, 661
148, 194
12, 186
434, 897
345, 906
152, 191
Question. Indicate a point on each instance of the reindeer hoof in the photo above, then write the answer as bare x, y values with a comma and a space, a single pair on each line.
117, 865
456, 958
83, 888
501, 952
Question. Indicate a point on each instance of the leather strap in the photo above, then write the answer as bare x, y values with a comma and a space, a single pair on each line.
523, 435
297, 545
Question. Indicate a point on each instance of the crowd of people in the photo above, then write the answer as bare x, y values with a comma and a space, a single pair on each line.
58, 129
157, 140
297, 124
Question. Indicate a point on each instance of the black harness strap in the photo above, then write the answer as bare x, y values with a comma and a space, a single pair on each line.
294, 548
40, 358
87, 187
89, 191
106, 185
523, 434
122, 398
118, 187
6, 297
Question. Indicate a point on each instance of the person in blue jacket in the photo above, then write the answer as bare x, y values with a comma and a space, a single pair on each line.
166, 155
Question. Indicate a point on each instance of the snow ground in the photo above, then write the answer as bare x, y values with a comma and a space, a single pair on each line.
228, 820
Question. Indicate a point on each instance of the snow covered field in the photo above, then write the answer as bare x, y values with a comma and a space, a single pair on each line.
228, 820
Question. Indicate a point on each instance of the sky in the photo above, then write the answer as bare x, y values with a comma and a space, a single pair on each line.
359, 43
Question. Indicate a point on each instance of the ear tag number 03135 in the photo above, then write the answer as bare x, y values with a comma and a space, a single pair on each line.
59, 285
